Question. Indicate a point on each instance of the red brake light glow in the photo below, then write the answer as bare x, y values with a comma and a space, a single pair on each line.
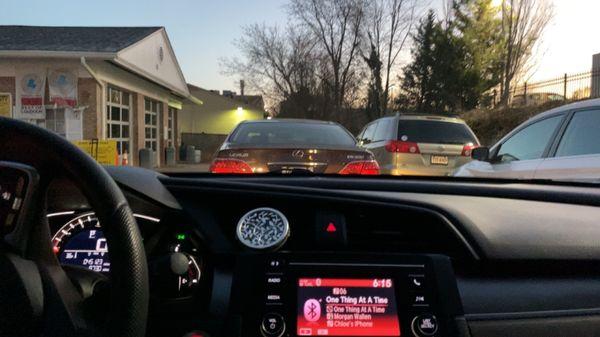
402, 147
468, 149
367, 167
230, 166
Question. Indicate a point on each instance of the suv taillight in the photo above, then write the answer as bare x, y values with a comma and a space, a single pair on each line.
367, 167
398, 146
230, 166
468, 149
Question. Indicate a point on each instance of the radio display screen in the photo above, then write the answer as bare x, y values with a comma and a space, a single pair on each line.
347, 307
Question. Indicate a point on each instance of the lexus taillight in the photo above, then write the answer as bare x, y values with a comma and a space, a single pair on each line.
468, 149
367, 167
230, 166
398, 146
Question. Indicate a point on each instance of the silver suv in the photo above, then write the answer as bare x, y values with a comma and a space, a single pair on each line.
422, 145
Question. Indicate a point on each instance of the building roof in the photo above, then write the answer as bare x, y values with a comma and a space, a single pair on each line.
204, 94
71, 39
144, 51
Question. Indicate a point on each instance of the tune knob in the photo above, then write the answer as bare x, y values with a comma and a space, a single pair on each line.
425, 325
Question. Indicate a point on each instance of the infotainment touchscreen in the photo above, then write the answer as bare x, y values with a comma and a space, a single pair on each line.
347, 307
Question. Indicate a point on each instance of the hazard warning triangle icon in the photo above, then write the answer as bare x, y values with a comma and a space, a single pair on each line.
331, 228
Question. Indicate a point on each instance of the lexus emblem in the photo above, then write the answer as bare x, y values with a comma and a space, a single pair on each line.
298, 154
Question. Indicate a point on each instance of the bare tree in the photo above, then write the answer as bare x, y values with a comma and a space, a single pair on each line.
388, 25
336, 26
523, 23
278, 63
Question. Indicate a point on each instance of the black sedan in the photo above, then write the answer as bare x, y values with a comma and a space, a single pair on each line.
286, 146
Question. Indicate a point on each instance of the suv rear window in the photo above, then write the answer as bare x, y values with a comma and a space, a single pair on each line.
435, 132
283, 133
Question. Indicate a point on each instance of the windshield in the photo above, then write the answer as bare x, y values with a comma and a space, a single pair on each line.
291, 134
396, 88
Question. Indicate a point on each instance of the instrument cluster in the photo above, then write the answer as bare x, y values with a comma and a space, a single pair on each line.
174, 254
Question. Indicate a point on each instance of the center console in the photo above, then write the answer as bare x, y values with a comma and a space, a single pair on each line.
347, 295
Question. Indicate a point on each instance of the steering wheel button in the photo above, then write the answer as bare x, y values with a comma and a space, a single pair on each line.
17, 204
6, 195
9, 220
273, 325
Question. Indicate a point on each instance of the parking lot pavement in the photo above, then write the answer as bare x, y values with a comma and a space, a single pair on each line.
185, 168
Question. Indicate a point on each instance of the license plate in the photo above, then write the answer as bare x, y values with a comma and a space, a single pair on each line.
439, 160
291, 169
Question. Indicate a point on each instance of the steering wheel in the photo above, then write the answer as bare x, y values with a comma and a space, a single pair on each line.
37, 296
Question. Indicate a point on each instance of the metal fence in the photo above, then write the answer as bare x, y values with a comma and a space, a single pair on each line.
572, 87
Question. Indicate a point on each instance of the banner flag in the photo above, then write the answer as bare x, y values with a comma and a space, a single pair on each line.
31, 88
62, 87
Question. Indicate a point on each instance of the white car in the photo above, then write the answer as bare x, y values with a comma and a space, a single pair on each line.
561, 144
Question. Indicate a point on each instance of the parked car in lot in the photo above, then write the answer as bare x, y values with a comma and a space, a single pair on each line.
421, 145
536, 98
288, 146
563, 143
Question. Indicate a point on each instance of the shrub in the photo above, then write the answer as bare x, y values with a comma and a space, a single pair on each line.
491, 125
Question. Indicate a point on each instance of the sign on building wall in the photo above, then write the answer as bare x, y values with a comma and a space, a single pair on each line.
62, 87
5, 105
31, 85
103, 151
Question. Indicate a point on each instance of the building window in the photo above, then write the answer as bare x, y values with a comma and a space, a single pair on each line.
151, 114
118, 108
170, 125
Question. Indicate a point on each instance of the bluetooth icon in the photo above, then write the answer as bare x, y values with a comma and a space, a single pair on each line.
311, 307
312, 310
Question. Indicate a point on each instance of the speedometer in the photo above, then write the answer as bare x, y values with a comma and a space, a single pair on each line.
81, 242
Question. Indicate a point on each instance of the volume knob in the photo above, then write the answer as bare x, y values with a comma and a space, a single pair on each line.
273, 325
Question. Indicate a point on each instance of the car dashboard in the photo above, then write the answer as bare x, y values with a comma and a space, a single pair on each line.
309, 256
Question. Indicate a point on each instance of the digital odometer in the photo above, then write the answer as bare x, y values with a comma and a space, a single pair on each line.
81, 242
347, 307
